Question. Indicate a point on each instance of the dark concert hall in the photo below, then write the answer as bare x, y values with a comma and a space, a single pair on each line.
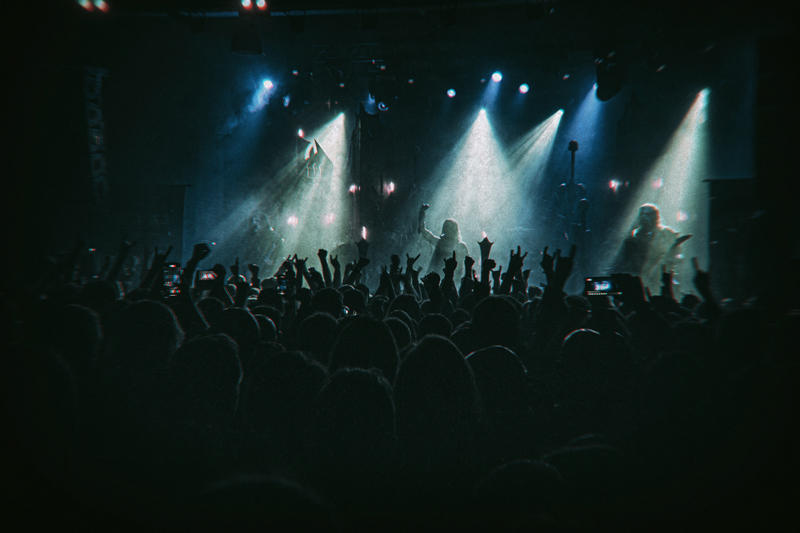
244, 239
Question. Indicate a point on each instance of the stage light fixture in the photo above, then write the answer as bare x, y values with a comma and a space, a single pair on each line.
524, 88
101, 5
268, 84
496, 77
261, 4
86, 4
247, 4
299, 133
451, 93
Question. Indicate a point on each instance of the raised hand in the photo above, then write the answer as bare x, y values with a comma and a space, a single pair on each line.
362, 262
424, 207
316, 278
385, 278
564, 267
161, 258
219, 270
334, 259
632, 290
200, 252
548, 263
515, 262
235, 268
702, 278
450, 265
124, 249
410, 262
322, 254
666, 282
489, 264
468, 264
496, 278
253, 269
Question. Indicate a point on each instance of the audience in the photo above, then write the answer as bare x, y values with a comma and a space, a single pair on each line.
331, 405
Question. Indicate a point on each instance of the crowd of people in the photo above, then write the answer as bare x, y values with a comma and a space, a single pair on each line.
309, 400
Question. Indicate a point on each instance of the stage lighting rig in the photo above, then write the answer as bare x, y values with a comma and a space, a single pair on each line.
253, 8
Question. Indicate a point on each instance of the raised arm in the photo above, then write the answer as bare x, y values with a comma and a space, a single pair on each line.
422, 230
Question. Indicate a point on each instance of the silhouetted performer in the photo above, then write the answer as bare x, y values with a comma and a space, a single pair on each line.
449, 241
649, 247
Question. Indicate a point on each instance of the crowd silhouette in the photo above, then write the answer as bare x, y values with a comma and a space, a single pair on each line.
308, 400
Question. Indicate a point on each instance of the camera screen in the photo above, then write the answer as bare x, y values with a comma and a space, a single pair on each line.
604, 285
600, 287
206, 275
172, 279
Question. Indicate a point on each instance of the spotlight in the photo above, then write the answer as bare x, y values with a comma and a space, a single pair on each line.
295, 73
86, 4
341, 85
300, 133
247, 4
565, 77
496, 77
451, 93
482, 112
353, 188
101, 5
268, 84
364, 232
410, 81
524, 88
292, 221
261, 4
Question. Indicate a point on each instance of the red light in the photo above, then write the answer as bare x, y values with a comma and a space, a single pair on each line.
247, 4
86, 4
102, 6
262, 4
